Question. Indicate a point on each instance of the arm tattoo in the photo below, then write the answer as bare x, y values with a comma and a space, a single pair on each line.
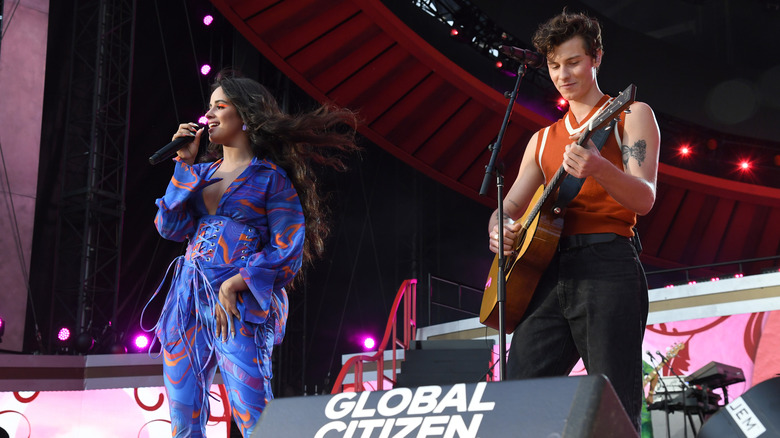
638, 151
506, 216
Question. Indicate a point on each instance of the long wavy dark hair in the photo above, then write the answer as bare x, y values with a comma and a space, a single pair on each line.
292, 142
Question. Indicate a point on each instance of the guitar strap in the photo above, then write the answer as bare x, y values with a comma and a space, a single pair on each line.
571, 186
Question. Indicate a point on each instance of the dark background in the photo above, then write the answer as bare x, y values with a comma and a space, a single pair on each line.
389, 222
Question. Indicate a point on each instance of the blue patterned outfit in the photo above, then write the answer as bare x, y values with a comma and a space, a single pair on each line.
257, 231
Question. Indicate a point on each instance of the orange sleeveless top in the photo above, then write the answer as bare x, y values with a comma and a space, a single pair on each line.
593, 210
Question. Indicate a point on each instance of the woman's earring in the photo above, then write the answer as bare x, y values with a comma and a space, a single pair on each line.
243, 128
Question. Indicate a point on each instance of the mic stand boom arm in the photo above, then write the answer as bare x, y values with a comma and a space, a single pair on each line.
493, 169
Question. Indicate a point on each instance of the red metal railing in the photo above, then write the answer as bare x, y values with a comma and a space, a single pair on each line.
407, 292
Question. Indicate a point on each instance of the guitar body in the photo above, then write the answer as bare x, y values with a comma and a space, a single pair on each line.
537, 241
535, 246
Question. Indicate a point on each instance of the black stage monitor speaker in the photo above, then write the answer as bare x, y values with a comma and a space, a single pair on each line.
754, 414
565, 407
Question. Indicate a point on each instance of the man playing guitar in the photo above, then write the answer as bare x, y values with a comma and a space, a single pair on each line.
591, 301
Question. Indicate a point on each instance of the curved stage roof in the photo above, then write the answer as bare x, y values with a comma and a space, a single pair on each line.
426, 110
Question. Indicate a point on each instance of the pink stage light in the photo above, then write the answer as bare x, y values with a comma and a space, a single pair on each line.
369, 343
64, 334
205, 69
203, 120
562, 105
141, 342
207, 20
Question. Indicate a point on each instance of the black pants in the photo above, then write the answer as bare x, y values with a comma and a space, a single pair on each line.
591, 302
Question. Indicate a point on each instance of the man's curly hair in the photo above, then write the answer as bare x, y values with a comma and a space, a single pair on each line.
565, 26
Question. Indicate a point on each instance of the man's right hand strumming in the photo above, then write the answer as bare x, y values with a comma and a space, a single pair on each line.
511, 230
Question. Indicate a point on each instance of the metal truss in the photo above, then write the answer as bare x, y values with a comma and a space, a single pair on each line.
478, 30
93, 169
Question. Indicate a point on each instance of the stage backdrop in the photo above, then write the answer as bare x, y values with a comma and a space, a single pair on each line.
22, 69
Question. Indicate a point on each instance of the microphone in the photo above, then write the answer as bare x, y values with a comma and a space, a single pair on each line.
170, 149
663, 358
529, 57
650, 355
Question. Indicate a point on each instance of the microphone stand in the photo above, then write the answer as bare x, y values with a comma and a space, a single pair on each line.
667, 394
493, 169
686, 390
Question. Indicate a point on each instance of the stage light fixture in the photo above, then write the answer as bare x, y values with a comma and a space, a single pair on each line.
369, 343
203, 121
562, 105
208, 19
84, 343
508, 68
745, 165
205, 69
64, 334
141, 342
685, 150
462, 33
63, 341
117, 348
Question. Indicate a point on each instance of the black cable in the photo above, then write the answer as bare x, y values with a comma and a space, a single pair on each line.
136, 313
8, 22
20, 249
167, 64
324, 285
349, 291
368, 203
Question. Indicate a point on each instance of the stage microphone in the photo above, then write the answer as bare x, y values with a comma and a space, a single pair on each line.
663, 358
170, 149
528, 57
650, 355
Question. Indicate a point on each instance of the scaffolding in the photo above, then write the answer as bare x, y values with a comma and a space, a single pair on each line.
93, 166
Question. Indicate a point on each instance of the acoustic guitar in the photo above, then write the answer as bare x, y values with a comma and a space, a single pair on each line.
538, 238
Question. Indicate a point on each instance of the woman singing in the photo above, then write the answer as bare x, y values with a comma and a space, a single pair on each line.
252, 218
